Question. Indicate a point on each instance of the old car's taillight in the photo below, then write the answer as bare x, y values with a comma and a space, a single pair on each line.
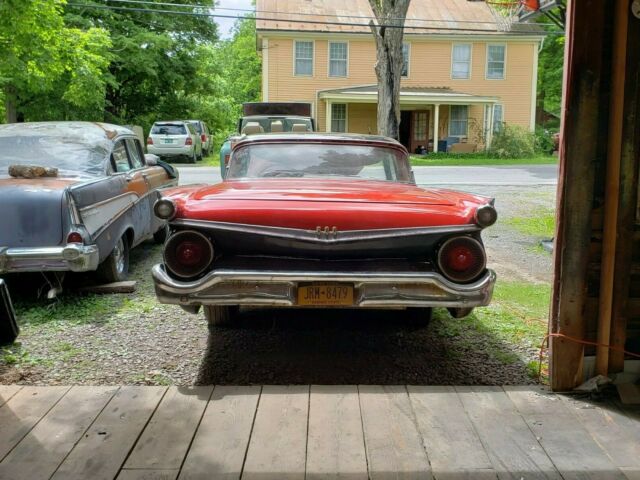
188, 253
164, 209
203, 137
74, 237
462, 259
188, 141
486, 216
149, 141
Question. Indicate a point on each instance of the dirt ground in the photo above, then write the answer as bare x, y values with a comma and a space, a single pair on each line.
131, 339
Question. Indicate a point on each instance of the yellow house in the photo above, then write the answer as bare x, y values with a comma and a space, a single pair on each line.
465, 70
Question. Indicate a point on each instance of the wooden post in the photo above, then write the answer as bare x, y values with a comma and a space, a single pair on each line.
327, 120
581, 146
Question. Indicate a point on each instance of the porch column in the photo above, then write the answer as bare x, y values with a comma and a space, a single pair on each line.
490, 126
327, 120
436, 124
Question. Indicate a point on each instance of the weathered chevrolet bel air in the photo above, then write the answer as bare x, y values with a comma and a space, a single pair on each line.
76, 196
323, 220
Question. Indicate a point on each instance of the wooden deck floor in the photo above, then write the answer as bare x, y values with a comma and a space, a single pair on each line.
290, 432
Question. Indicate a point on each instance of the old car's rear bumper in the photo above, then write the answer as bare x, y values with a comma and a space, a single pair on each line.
279, 288
74, 257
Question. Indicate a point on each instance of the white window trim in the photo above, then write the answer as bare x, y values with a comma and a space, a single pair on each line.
466, 134
493, 116
329, 59
486, 63
346, 116
408, 75
313, 58
470, 45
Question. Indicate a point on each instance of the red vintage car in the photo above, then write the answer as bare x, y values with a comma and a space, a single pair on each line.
323, 220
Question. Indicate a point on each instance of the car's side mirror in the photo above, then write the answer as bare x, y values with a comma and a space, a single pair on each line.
151, 159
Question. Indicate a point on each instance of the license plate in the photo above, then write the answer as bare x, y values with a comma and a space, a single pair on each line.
325, 295
168, 140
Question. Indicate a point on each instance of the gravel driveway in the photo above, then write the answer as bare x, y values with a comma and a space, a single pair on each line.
131, 339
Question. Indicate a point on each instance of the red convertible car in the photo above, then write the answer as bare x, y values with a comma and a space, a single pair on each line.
323, 220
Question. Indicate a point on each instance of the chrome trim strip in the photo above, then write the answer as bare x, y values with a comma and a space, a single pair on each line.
277, 288
312, 235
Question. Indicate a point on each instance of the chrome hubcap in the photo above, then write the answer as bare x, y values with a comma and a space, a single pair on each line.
118, 255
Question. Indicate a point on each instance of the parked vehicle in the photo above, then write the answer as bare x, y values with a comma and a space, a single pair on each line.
9, 329
203, 130
331, 220
176, 139
93, 204
268, 117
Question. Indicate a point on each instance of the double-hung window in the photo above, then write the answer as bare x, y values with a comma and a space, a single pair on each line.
461, 61
458, 120
338, 117
406, 56
496, 57
303, 58
498, 118
338, 58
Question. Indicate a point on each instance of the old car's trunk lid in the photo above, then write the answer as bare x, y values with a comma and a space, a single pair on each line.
32, 211
312, 203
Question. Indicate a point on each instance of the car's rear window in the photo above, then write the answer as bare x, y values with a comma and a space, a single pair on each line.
197, 126
169, 129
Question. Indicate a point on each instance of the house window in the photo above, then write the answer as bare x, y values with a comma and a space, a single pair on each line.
458, 120
461, 61
495, 61
338, 117
406, 55
498, 118
338, 59
303, 52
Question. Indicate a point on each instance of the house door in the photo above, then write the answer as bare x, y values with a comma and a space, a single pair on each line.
419, 130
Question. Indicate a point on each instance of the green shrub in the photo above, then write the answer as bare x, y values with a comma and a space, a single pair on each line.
513, 141
544, 141
460, 156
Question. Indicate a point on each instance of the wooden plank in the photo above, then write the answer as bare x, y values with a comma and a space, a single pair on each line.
8, 391
148, 474
128, 286
582, 145
105, 446
165, 441
447, 431
611, 429
39, 453
335, 447
565, 440
393, 444
277, 449
513, 450
220, 444
23, 411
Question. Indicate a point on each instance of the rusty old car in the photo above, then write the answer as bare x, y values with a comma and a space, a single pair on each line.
323, 220
76, 196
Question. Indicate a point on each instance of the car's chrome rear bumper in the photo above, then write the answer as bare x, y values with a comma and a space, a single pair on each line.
72, 257
279, 288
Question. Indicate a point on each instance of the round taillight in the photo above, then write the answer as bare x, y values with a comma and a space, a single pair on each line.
74, 237
486, 216
164, 209
462, 259
188, 253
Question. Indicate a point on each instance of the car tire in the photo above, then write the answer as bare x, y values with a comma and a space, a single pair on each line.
115, 267
193, 158
220, 315
161, 235
419, 316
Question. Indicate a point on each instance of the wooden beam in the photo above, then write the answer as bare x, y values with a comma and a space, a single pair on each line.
628, 194
612, 185
579, 152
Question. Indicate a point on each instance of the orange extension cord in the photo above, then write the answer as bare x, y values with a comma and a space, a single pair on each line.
577, 340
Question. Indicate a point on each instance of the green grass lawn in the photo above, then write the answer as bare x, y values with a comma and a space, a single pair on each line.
540, 222
441, 160
213, 160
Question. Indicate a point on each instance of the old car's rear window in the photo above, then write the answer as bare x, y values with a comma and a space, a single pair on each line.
279, 124
69, 148
271, 160
169, 129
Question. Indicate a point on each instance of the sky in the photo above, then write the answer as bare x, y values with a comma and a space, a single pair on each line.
226, 24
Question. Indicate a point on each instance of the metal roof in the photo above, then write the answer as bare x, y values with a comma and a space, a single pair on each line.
459, 17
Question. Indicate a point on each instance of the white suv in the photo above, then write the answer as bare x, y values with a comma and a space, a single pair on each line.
175, 139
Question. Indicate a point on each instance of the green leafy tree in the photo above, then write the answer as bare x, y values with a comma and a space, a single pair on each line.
550, 73
37, 51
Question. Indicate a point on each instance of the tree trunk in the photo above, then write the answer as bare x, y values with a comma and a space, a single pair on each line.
388, 33
10, 104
